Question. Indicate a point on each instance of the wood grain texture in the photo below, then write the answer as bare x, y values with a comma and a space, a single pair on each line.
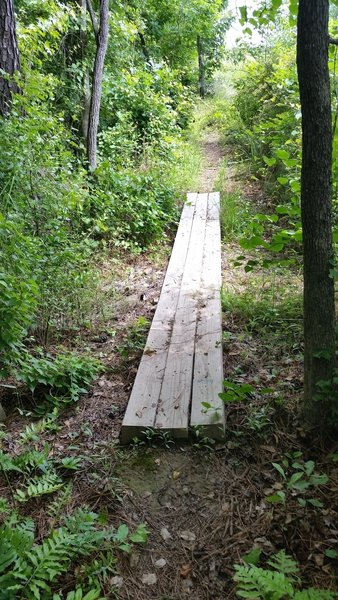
208, 367
174, 404
145, 395
182, 364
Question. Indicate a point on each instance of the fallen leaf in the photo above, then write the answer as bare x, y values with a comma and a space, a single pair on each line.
165, 534
185, 570
188, 536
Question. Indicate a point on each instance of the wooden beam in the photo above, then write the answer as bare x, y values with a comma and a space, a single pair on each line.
145, 394
208, 368
174, 403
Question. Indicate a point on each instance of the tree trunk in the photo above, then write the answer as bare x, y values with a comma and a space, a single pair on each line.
319, 308
9, 55
95, 103
86, 76
201, 67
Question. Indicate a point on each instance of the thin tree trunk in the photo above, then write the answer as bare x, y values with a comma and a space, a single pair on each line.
9, 55
86, 76
95, 103
201, 67
86, 105
319, 309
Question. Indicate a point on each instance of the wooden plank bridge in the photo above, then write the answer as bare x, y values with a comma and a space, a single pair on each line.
182, 363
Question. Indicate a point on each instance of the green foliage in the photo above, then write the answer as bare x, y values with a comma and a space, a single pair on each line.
154, 438
235, 213
18, 290
135, 339
235, 392
279, 581
264, 309
131, 208
29, 570
58, 380
298, 477
48, 483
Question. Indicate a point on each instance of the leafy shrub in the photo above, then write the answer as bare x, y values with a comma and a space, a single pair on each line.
132, 209
58, 380
18, 290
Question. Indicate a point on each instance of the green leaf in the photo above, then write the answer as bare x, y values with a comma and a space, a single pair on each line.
283, 154
315, 502
269, 161
277, 498
331, 553
252, 558
122, 533
280, 469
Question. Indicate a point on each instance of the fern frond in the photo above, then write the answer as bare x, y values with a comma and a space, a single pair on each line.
314, 594
7, 463
45, 562
57, 506
283, 563
48, 483
257, 583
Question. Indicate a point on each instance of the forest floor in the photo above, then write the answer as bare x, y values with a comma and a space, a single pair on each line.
204, 504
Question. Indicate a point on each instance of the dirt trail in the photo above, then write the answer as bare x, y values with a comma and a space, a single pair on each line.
213, 154
205, 505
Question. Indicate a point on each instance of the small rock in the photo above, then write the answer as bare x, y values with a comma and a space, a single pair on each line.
149, 579
176, 474
117, 581
160, 563
165, 534
187, 585
188, 536
185, 490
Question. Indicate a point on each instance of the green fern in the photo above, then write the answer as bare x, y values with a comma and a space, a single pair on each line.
256, 583
48, 483
283, 563
314, 594
7, 463
33, 430
29, 570
57, 506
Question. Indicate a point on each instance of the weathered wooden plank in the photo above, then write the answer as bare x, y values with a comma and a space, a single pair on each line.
175, 397
208, 367
145, 394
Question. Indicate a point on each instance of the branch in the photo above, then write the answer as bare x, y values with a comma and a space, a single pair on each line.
93, 17
333, 41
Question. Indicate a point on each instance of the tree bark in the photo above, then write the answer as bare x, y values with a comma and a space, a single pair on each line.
9, 55
201, 67
95, 103
319, 308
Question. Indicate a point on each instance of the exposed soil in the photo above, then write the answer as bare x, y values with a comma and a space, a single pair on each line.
213, 154
204, 505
